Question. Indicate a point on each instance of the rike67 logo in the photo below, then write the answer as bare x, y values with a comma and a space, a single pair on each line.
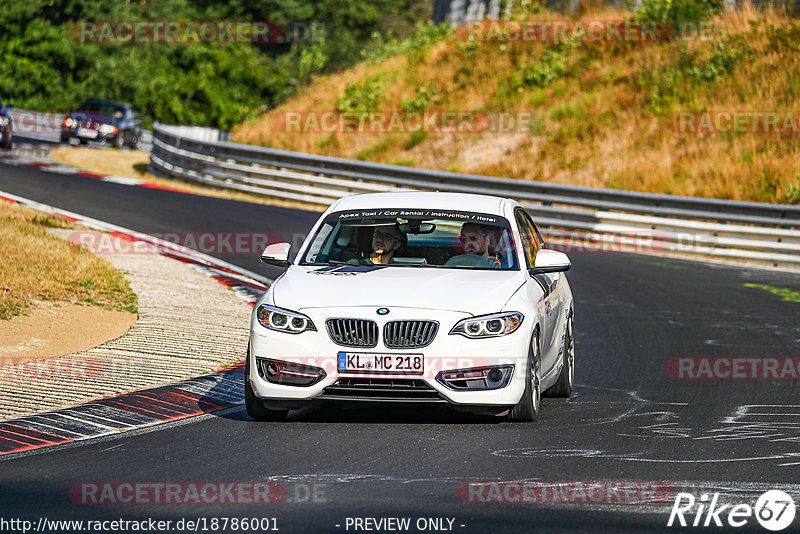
774, 510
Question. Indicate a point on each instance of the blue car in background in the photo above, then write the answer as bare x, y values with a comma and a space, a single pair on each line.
103, 121
6, 125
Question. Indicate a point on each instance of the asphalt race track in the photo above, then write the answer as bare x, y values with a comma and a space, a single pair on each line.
629, 421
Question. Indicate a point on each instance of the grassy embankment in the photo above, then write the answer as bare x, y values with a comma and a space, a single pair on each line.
37, 266
604, 111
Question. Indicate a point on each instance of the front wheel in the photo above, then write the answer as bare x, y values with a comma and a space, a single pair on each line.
255, 406
563, 386
528, 406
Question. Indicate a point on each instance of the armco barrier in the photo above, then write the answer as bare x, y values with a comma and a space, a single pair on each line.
766, 233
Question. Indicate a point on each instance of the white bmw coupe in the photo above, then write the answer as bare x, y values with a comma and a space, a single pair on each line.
414, 297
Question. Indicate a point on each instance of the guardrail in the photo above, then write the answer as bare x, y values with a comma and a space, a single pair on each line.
766, 233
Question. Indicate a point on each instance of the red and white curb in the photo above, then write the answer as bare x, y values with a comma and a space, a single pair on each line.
113, 415
147, 407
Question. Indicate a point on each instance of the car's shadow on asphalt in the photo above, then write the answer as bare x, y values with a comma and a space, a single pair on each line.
230, 390
377, 414
368, 414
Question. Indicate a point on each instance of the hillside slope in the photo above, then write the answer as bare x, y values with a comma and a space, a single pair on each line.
604, 114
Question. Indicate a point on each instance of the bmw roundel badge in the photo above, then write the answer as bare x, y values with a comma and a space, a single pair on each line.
383, 311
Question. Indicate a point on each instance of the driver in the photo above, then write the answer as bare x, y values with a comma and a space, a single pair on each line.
386, 239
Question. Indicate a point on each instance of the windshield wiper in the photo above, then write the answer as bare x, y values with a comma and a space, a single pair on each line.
417, 265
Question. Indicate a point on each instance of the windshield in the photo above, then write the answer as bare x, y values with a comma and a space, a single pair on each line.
102, 108
414, 238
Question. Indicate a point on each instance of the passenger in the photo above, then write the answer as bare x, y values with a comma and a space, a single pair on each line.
476, 239
386, 239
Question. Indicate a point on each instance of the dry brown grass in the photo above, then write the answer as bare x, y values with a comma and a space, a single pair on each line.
133, 164
37, 266
601, 121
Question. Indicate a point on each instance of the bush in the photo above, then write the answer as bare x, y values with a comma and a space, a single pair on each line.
545, 71
793, 194
421, 100
679, 10
360, 96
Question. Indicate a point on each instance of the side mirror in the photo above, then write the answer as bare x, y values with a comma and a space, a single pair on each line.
550, 261
277, 254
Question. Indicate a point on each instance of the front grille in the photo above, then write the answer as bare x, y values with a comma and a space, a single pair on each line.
409, 334
353, 332
381, 390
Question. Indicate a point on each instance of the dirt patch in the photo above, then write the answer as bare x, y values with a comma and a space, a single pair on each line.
55, 329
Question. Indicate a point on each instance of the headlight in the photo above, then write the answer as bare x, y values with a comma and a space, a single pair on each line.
4, 121
283, 320
108, 129
68, 122
497, 324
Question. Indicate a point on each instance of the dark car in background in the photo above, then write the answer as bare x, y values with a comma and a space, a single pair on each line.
104, 121
6, 125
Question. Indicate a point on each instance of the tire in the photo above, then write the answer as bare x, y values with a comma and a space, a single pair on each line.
118, 141
563, 386
136, 143
83, 142
530, 403
255, 406
65, 140
9, 142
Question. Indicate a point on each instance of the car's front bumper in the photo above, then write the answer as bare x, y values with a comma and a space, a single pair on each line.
446, 353
87, 135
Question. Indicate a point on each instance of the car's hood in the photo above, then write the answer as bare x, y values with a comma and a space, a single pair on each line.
463, 290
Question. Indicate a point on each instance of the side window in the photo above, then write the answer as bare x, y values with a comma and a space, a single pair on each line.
527, 234
539, 240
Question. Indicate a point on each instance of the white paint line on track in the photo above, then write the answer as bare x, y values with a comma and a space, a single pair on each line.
124, 180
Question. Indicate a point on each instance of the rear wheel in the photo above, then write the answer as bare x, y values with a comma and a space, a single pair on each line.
255, 406
563, 386
528, 406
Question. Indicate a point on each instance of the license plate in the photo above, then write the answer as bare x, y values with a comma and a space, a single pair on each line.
396, 364
89, 134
